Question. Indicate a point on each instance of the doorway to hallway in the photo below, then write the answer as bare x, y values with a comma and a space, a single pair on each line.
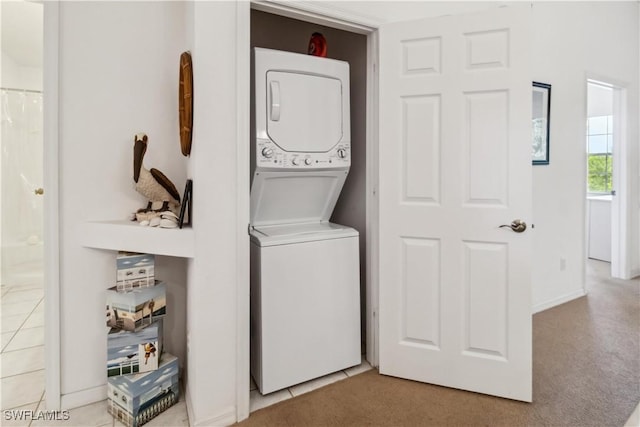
605, 139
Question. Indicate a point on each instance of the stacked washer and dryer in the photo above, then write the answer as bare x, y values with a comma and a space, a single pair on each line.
305, 286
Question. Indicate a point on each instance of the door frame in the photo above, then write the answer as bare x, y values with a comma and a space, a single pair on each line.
51, 69
326, 16
620, 213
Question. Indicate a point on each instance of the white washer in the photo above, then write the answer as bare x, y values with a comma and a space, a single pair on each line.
305, 287
305, 303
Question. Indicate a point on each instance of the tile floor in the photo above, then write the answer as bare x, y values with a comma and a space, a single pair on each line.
22, 354
22, 370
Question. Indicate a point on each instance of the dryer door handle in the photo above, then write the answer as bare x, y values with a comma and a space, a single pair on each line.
275, 100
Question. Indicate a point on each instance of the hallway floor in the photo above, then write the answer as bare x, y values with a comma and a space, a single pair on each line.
22, 367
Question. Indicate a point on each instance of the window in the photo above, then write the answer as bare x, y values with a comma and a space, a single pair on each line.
599, 153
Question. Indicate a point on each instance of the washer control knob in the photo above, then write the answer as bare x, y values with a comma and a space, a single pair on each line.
342, 153
267, 152
294, 161
307, 162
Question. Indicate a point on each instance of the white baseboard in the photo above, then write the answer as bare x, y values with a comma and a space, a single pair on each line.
226, 418
557, 301
635, 273
83, 397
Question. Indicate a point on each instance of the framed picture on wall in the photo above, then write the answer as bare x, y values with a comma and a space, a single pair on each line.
541, 110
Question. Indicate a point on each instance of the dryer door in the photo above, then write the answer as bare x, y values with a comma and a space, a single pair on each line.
304, 111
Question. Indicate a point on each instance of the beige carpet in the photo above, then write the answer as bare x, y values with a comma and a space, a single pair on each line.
586, 372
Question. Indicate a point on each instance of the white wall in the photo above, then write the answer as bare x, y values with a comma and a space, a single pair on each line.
119, 65
118, 76
213, 273
574, 40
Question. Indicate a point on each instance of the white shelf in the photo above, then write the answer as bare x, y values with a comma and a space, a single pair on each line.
130, 236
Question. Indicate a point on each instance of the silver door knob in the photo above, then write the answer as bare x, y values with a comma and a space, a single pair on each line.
516, 225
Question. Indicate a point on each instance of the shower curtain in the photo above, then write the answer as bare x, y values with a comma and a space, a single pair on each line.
22, 180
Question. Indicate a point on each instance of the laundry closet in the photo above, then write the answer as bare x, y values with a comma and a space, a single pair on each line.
275, 32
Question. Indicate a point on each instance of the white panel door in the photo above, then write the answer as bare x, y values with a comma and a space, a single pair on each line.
455, 164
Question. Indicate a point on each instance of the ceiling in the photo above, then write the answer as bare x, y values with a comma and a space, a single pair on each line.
22, 31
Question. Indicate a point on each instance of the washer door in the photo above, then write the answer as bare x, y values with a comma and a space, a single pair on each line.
304, 111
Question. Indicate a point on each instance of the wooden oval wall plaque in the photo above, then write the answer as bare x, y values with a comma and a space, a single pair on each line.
185, 102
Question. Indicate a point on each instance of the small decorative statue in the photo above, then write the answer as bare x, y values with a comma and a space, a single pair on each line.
162, 195
317, 45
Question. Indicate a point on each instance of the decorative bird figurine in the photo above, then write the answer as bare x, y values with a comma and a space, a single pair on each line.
152, 184
317, 45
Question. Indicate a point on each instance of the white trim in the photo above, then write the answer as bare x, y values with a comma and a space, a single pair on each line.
83, 397
619, 201
329, 16
557, 301
51, 202
243, 114
623, 201
372, 209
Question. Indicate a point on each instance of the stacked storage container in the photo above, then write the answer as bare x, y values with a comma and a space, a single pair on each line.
142, 380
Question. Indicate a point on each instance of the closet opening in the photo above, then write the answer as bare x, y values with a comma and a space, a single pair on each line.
277, 32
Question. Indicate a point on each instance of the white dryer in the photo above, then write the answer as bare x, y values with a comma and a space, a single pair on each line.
305, 298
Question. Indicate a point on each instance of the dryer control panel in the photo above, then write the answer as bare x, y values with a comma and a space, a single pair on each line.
270, 155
